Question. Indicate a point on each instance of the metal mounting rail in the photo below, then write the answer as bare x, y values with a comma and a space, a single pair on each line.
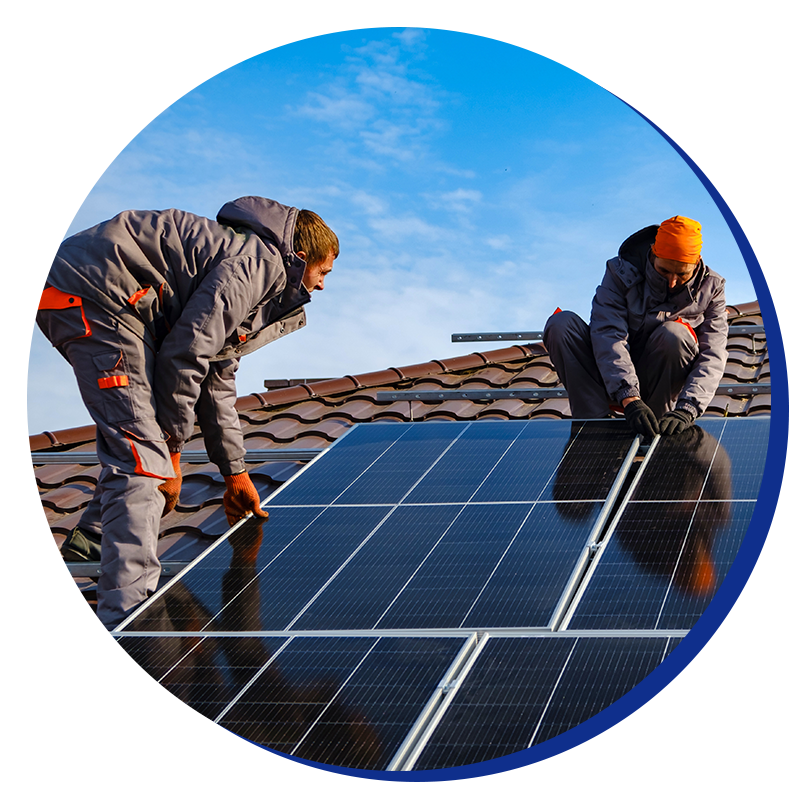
473, 394
187, 456
495, 337
731, 389
527, 336
91, 569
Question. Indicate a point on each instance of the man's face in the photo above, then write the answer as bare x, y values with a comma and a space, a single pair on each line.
314, 276
676, 273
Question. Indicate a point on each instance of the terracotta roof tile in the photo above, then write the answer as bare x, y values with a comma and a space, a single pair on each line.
377, 378
419, 370
48, 476
308, 411
471, 361
745, 309
334, 386
68, 498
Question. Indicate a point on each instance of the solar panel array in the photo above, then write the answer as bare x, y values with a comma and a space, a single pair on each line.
436, 594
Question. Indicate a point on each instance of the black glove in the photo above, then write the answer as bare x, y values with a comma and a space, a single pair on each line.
676, 421
641, 418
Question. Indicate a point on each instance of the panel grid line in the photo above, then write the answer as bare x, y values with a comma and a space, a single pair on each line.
530, 511
552, 695
335, 695
358, 549
255, 677
438, 541
689, 528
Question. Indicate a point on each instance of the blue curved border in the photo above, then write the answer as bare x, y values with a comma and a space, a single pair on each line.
728, 593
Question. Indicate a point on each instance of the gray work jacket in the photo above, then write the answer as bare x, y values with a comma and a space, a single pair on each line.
633, 299
207, 291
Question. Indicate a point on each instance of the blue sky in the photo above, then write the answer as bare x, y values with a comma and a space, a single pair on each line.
474, 186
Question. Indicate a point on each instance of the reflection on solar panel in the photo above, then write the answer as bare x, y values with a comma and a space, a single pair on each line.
509, 531
410, 592
523, 691
348, 700
677, 537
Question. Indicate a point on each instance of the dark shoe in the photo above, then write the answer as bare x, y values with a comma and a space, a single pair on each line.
80, 546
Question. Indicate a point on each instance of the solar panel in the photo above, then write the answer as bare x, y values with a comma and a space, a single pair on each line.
679, 533
523, 691
499, 556
346, 701
404, 606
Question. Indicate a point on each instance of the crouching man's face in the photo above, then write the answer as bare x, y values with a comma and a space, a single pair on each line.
314, 276
676, 273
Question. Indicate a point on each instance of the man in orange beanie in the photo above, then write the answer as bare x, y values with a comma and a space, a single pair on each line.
656, 343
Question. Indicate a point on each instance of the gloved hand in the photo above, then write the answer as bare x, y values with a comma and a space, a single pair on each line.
641, 418
241, 498
171, 488
675, 421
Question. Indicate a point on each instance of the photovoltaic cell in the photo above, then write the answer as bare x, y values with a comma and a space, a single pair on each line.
681, 531
237, 588
469, 526
524, 691
499, 704
715, 459
368, 560
323, 481
339, 700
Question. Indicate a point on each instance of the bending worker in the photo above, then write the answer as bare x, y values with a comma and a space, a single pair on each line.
153, 310
656, 343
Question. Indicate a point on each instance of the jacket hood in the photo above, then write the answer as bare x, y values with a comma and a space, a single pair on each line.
636, 247
268, 219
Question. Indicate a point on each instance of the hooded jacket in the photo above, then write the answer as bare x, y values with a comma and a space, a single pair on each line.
207, 292
633, 300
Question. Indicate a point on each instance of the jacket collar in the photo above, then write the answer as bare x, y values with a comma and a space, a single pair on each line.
683, 296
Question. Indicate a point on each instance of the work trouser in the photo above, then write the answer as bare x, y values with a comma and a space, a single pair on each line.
662, 363
113, 358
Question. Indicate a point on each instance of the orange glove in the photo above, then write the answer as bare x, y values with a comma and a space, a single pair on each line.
171, 488
241, 498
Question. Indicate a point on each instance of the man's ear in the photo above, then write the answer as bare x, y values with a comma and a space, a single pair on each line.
301, 254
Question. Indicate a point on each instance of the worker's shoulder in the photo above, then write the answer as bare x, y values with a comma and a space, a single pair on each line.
624, 272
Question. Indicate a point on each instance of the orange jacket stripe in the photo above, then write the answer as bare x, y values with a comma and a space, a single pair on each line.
137, 296
683, 322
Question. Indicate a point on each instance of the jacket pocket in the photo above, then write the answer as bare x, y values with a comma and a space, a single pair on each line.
113, 385
61, 316
148, 446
